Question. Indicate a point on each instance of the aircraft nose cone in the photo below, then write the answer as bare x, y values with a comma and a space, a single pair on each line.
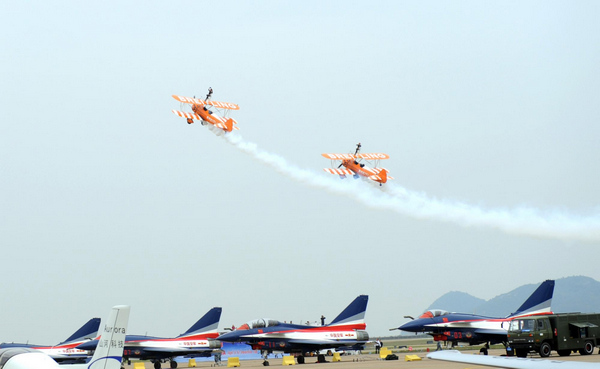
412, 326
229, 336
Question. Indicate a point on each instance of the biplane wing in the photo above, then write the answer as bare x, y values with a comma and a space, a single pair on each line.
341, 172
216, 104
186, 115
373, 156
338, 156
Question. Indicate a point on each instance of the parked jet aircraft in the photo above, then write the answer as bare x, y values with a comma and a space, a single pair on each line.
346, 331
202, 111
476, 329
107, 356
199, 340
66, 351
509, 362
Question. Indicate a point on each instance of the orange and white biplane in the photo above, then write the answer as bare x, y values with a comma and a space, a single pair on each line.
201, 110
353, 166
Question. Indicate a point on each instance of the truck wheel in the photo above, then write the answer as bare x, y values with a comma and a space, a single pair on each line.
545, 349
587, 349
564, 352
521, 352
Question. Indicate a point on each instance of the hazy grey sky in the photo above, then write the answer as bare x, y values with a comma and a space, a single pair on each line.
108, 198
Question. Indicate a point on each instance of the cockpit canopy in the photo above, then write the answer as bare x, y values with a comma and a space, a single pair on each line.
433, 313
258, 323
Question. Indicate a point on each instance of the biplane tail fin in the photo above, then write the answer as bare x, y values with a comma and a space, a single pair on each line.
381, 176
229, 125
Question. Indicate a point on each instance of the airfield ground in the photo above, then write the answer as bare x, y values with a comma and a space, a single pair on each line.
369, 360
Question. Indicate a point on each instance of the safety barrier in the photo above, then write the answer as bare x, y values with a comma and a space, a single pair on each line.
233, 361
288, 360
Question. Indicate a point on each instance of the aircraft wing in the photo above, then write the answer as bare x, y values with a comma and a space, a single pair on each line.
509, 362
186, 115
216, 104
341, 172
373, 156
338, 156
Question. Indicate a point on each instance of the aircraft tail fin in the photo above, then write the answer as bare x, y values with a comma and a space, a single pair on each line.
353, 313
208, 323
109, 352
540, 301
88, 331
229, 125
383, 175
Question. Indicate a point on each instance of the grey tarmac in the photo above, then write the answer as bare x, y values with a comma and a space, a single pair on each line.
371, 361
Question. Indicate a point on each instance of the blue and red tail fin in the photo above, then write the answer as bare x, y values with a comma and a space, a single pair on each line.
208, 323
355, 312
88, 331
540, 301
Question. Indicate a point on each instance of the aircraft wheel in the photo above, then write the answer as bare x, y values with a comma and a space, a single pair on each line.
173, 364
157, 365
266, 363
545, 349
587, 349
300, 359
521, 352
564, 352
321, 358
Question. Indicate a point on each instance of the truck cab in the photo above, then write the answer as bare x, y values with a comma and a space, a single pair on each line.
527, 334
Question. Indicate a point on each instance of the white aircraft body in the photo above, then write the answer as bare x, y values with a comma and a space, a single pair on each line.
510, 362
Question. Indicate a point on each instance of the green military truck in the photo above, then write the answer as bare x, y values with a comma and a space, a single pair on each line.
563, 333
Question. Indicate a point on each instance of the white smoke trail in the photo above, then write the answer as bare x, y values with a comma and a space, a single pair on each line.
521, 221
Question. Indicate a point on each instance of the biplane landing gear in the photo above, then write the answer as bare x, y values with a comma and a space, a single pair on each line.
190, 121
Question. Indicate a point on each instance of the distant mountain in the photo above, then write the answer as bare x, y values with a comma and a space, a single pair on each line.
457, 301
571, 294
